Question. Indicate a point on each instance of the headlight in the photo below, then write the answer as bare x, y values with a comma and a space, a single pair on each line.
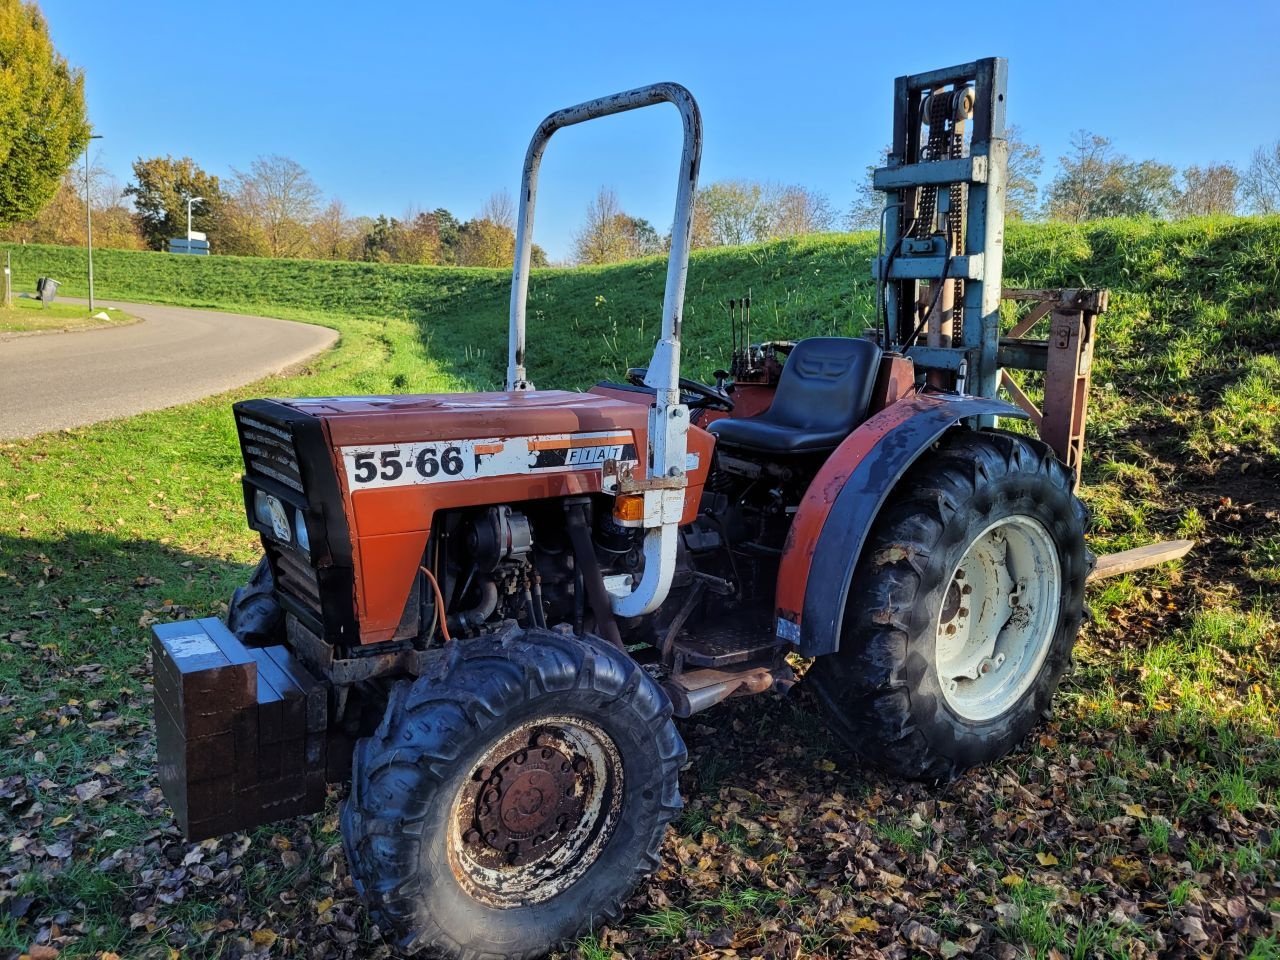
300, 524
270, 512
261, 512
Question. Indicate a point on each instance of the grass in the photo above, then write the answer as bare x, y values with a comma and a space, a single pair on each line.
28, 316
1171, 709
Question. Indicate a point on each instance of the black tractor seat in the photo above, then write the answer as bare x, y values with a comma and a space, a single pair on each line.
823, 394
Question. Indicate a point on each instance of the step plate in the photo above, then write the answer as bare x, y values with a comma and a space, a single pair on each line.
726, 643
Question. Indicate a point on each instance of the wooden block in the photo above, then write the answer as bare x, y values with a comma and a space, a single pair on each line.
203, 685
241, 734
1126, 561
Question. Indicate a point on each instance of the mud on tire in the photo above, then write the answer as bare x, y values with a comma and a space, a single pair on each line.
883, 688
451, 857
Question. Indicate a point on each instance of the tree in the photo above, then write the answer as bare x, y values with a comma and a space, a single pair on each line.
1094, 181
42, 115
276, 202
1021, 195
795, 211
334, 235
1208, 191
868, 202
1260, 186
730, 213
499, 210
604, 237
483, 243
1021, 191
62, 221
160, 190
448, 226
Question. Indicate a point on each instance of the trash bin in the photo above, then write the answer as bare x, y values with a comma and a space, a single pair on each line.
46, 289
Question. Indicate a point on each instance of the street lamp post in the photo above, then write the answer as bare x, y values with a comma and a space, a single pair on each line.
190, 201
88, 216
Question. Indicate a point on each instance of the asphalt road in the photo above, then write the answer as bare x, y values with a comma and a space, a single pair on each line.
174, 355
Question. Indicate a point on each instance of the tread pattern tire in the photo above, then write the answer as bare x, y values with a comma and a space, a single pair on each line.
407, 774
880, 688
254, 614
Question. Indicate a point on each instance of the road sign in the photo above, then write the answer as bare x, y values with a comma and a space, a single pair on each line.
183, 245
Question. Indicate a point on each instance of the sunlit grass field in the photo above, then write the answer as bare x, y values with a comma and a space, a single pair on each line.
1141, 819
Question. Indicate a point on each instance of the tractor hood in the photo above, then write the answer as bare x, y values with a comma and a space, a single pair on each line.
351, 421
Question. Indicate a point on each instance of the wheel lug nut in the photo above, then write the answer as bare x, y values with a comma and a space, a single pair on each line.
522, 756
566, 766
491, 836
484, 810
491, 796
959, 574
964, 611
579, 765
966, 590
484, 773
951, 628
472, 836
546, 753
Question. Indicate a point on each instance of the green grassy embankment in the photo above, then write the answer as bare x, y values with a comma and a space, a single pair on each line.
28, 316
1143, 818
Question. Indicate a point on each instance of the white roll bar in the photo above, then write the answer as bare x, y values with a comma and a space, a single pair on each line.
681, 227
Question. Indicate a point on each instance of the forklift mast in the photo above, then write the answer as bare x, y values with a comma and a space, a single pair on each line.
941, 259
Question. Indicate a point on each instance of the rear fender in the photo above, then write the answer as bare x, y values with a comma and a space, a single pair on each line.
836, 514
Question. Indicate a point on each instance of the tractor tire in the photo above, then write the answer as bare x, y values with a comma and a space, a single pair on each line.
514, 799
254, 614
963, 609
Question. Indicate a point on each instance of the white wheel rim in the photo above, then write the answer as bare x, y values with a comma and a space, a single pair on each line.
567, 850
998, 618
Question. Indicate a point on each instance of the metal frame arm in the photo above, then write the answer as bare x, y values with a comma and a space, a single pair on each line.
668, 373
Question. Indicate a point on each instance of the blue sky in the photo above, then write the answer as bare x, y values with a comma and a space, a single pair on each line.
392, 105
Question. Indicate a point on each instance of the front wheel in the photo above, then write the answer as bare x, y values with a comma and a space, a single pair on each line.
512, 802
963, 609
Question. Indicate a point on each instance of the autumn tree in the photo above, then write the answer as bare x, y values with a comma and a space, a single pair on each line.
1094, 181
62, 220
489, 239
1021, 195
483, 243
334, 235
160, 189
730, 213
273, 205
603, 237
1260, 186
795, 211
1208, 190
42, 115
868, 202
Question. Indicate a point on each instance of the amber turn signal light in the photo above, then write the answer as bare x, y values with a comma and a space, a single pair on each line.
629, 509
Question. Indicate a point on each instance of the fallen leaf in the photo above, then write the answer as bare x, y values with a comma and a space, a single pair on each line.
264, 938
1046, 859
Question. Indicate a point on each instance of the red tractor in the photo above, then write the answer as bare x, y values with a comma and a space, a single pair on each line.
487, 609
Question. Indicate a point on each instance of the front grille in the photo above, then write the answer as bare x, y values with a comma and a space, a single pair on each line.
296, 578
268, 450
270, 454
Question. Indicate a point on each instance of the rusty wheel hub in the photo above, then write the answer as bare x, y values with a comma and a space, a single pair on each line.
527, 803
535, 810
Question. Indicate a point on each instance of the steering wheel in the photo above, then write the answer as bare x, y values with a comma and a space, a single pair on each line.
693, 394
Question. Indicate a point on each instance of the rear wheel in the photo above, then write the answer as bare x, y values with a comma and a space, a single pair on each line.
963, 610
514, 801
